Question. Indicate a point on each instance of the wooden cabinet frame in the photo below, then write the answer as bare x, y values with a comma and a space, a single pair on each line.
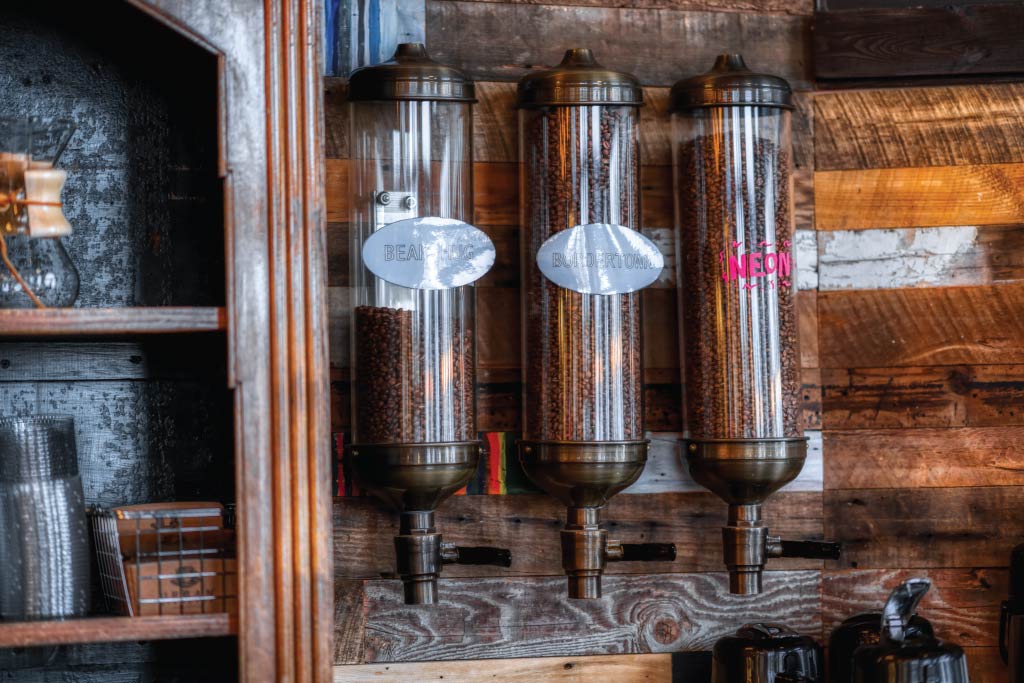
271, 160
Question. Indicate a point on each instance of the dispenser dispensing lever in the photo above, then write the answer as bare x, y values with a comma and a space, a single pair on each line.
647, 552
812, 550
487, 555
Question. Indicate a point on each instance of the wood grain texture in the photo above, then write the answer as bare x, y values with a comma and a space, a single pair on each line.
802, 7
984, 39
617, 668
349, 621
108, 629
962, 604
531, 617
911, 327
989, 194
912, 528
530, 525
985, 664
924, 458
649, 43
910, 127
921, 257
110, 321
949, 396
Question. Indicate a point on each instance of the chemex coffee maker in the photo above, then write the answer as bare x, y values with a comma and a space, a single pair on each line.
899, 649
583, 433
414, 436
35, 269
737, 301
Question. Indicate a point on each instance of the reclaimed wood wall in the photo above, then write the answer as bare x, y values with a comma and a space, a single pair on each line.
910, 217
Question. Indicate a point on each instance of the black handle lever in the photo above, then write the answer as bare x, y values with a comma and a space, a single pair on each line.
496, 557
648, 552
811, 550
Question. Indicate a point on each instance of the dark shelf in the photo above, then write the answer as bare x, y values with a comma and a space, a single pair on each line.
108, 629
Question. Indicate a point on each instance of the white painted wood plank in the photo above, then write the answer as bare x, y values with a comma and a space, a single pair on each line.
955, 255
665, 471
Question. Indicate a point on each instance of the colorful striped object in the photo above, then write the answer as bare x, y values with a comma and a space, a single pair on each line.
499, 472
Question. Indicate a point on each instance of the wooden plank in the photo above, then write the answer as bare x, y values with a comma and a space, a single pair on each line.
909, 127
924, 458
916, 257
918, 41
618, 668
990, 194
336, 121
111, 321
912, 327
367, 33
985, 664
649, 43
910, 528
530, 617
349, 621
107, 629
801, 7
529, 524
962, 605
950, 396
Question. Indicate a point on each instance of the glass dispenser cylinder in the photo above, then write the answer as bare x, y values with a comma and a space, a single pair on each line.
584, 262
414, 257
737, 301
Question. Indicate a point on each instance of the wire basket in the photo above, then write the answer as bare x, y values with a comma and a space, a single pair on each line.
166, 558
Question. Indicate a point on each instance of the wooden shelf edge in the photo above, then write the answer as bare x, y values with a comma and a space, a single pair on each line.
111, 321
111, 629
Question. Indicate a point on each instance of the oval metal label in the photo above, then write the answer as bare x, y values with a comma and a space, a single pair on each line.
600, 258
429, 253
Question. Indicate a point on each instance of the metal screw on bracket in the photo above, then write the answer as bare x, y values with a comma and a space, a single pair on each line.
384, 198
410, 203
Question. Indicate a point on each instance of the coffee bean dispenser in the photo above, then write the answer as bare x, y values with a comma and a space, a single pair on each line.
414, 257
737, 295
584, 262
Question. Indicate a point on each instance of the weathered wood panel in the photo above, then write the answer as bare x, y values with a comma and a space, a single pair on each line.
909, 528
990, 194
936, 41
911, 327
617, 668
140, 441
762, 6
963, 604
649, 43
915, 257
530, 617
950, 396
909, 127
530, 525
924, 458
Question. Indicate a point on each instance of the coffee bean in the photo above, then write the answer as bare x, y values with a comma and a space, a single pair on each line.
740, 340
414, 376
583, 359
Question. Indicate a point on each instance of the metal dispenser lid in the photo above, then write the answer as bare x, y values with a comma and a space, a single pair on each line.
410, 75
904, 655
764, 653
731, 83
578, 80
